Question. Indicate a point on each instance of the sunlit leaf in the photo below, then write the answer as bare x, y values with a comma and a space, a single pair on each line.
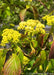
25, 60
32, 62
35, 43
20, 54
27, 6
40, 68
22, 14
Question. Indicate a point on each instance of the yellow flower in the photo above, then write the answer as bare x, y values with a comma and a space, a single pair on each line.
49, 19
45, 17
42, 31
39, 25
10, 35
31, 27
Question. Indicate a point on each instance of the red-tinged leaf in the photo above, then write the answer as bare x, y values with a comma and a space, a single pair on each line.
35, 12
22, 14
40, 39
51, 54
12, 66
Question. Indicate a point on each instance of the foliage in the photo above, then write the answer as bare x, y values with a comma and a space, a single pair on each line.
30, 49
2, 59
9, 10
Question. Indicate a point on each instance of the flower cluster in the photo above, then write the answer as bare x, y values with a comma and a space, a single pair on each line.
49, 19
10, 35
32, 27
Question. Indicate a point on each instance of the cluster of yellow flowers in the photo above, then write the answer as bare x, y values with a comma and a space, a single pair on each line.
49, 19
28, 0
32, 26
10, 35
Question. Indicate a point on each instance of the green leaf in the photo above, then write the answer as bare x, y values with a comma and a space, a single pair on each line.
48, 7
2, 59
12, 66
40, 59
32, 62
20, 54
42, 56
36, 15
22, 14
49, 67
41, 7
52, 62
35, 43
